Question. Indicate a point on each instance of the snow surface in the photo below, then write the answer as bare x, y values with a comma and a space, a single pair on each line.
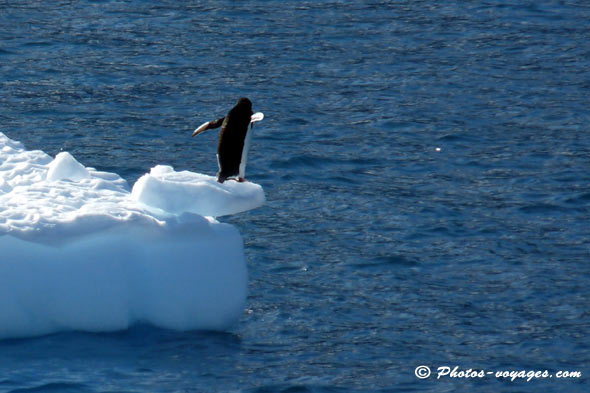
79, 251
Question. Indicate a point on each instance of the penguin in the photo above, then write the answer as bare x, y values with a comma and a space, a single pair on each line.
234, 139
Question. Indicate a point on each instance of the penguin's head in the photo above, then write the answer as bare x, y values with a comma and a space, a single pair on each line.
244, 105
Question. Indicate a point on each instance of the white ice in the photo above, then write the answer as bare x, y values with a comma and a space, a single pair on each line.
79, 251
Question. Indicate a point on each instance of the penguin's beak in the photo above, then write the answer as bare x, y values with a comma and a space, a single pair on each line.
256, 117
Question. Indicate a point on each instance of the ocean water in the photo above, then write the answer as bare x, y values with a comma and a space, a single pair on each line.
426, 166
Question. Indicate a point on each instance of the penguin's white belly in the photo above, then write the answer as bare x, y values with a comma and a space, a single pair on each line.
245, 149
258, 116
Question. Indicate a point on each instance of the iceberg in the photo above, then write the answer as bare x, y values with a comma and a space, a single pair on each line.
79, 250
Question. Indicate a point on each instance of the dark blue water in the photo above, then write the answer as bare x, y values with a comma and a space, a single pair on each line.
375, 253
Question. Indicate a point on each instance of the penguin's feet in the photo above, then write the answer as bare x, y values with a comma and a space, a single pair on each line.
238, 179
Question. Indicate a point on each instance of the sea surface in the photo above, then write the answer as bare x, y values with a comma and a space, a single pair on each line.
426, 166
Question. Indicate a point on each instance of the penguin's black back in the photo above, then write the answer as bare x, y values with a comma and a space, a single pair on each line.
231, 137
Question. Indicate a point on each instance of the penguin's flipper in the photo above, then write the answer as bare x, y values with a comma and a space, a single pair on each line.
208, 125
202, 127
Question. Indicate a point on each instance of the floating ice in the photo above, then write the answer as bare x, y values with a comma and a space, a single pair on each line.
79, 251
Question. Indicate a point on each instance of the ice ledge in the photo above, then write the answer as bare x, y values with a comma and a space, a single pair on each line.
180, 192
